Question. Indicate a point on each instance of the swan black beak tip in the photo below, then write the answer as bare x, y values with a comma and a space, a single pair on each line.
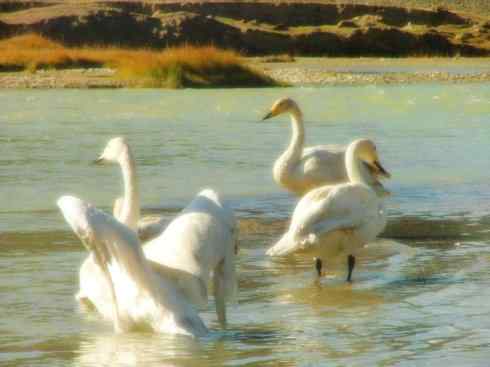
382, 170
268, 116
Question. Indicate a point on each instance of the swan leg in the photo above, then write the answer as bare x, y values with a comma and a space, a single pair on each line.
318, 266
351, 262
219, 293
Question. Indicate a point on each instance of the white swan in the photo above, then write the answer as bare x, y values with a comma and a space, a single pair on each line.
200, 241
300, 170
139, 297
338, 218
127, 208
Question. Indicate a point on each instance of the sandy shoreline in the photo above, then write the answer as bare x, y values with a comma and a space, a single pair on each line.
303, 71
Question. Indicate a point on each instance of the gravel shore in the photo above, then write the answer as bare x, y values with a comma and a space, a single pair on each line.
301, 76
68, 78
304, 71
363, 71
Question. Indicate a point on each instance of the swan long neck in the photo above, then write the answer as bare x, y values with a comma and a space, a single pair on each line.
130, 212
353, 165
294, 150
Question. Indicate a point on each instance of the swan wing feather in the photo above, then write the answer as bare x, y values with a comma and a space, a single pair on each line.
120, 249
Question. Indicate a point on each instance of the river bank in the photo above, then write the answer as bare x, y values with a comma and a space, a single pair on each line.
44, 63
301, 71
363, 71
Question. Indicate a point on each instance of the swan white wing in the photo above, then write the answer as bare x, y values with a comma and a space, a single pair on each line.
209, 201
195, 243
151, 227
331, 148
139, 294
323, 165
94, 290
117, 209
323, 210
334, 207
102, 233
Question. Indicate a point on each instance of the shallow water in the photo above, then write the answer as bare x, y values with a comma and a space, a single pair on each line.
420, 296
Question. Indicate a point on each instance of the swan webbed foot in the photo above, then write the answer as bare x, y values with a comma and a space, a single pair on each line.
318, 266
351, 262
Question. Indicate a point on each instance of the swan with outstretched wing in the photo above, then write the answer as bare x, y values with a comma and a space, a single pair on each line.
139, 296
196, 247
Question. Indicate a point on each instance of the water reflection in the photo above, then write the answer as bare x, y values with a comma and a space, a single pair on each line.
136, 349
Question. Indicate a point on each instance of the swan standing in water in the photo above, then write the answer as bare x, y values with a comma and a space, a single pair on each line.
200, 241
139, 296
340, 218
127, 208
300, 169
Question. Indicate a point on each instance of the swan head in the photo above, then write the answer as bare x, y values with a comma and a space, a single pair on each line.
283, 105
113, 151
366, 151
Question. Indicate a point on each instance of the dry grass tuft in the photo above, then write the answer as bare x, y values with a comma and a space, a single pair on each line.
186, 66
29, 41
32, 52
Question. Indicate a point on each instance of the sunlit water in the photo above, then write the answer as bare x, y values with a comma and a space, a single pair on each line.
420, 297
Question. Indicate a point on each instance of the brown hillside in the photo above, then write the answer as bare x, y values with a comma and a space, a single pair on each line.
257, 27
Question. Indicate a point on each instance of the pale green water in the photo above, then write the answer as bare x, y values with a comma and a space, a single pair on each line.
423, 302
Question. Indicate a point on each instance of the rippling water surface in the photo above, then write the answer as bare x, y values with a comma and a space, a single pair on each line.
421, 295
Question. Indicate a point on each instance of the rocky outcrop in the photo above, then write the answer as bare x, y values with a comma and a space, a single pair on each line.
258, 28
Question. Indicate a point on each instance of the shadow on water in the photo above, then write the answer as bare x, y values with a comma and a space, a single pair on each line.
407, 228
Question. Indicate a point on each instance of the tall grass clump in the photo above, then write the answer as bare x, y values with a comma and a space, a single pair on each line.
177, 67
189, 66
32, 52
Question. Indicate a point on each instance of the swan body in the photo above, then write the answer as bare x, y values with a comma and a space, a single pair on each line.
343, 217
126, 210
201, 241
300, 169
148, 227
337, 218
139, 297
